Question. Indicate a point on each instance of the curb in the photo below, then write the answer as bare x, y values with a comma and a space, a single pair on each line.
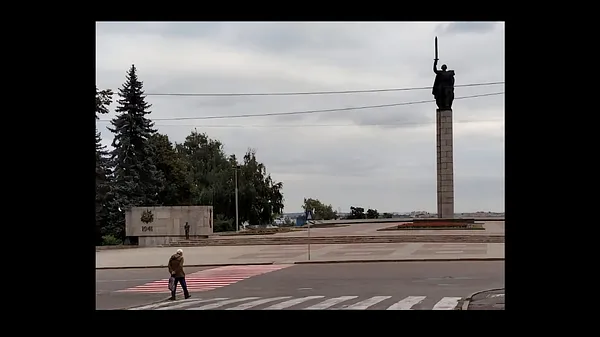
467, 301
465, 304
469, 259
333, 240
190, 265
404, 260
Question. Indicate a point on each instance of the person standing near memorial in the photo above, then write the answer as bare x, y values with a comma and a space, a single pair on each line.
187, 230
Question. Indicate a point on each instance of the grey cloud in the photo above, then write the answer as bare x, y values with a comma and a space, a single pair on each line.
355, 156
395, 117
298, 37
468, 27
221, 102
345, 159
489, 192
414, 114
479, 108
403, 116
470, 163
222, 83
165, 29
316, 164
390, 167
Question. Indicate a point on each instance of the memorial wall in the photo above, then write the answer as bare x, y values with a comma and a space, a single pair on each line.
155, 226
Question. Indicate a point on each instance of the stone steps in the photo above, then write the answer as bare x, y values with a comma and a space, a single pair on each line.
340, 240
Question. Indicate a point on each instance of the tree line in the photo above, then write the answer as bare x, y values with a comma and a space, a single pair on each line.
145, 168
322, 211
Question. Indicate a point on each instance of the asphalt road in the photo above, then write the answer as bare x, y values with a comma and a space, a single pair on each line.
108, 282
367, 285
433, 280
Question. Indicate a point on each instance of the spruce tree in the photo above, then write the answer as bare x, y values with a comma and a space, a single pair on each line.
137, 181
103, 172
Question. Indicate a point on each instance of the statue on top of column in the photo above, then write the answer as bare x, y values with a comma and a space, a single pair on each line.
443, 86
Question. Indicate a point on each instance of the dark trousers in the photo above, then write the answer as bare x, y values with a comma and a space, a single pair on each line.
187, 235
183, 285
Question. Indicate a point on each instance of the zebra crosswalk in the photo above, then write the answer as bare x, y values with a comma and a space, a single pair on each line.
313, 302
209, 279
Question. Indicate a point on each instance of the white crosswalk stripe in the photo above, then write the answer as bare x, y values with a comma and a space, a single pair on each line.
314, 302
330, 302
293, 302
407, 303
186, 303
256, 303
222, 303
447, 303
363, 305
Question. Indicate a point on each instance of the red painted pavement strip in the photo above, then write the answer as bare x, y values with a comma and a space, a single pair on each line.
459, 259
189, 265
209, 279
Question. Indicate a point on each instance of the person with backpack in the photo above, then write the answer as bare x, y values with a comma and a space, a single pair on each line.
177, 275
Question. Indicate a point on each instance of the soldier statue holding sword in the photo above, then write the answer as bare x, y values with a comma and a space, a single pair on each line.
443, 86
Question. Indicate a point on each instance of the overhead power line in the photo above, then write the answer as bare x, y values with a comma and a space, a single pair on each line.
312, 92
322, 125
315, 111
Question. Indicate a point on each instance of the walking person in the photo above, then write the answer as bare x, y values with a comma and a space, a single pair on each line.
176, 271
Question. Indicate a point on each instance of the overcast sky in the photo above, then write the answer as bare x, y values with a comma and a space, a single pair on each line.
375, 158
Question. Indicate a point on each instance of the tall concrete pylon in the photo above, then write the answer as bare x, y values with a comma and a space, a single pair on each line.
445, 164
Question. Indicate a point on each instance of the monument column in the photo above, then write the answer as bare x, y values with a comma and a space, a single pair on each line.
443, 91
445, 164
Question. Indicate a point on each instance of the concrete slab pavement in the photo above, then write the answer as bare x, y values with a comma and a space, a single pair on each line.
371, 229
290, 254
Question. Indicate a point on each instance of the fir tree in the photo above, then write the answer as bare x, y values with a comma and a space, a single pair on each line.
137, 181
103, 172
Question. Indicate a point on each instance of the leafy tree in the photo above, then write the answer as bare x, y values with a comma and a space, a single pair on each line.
321, 211
356, 213
387, 215
210, 177
137, 181
260, 197
372, 214
174, 168
209, 173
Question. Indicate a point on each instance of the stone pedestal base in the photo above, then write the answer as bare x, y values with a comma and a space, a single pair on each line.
445, 163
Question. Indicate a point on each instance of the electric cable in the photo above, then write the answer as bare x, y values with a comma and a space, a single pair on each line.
314, 92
